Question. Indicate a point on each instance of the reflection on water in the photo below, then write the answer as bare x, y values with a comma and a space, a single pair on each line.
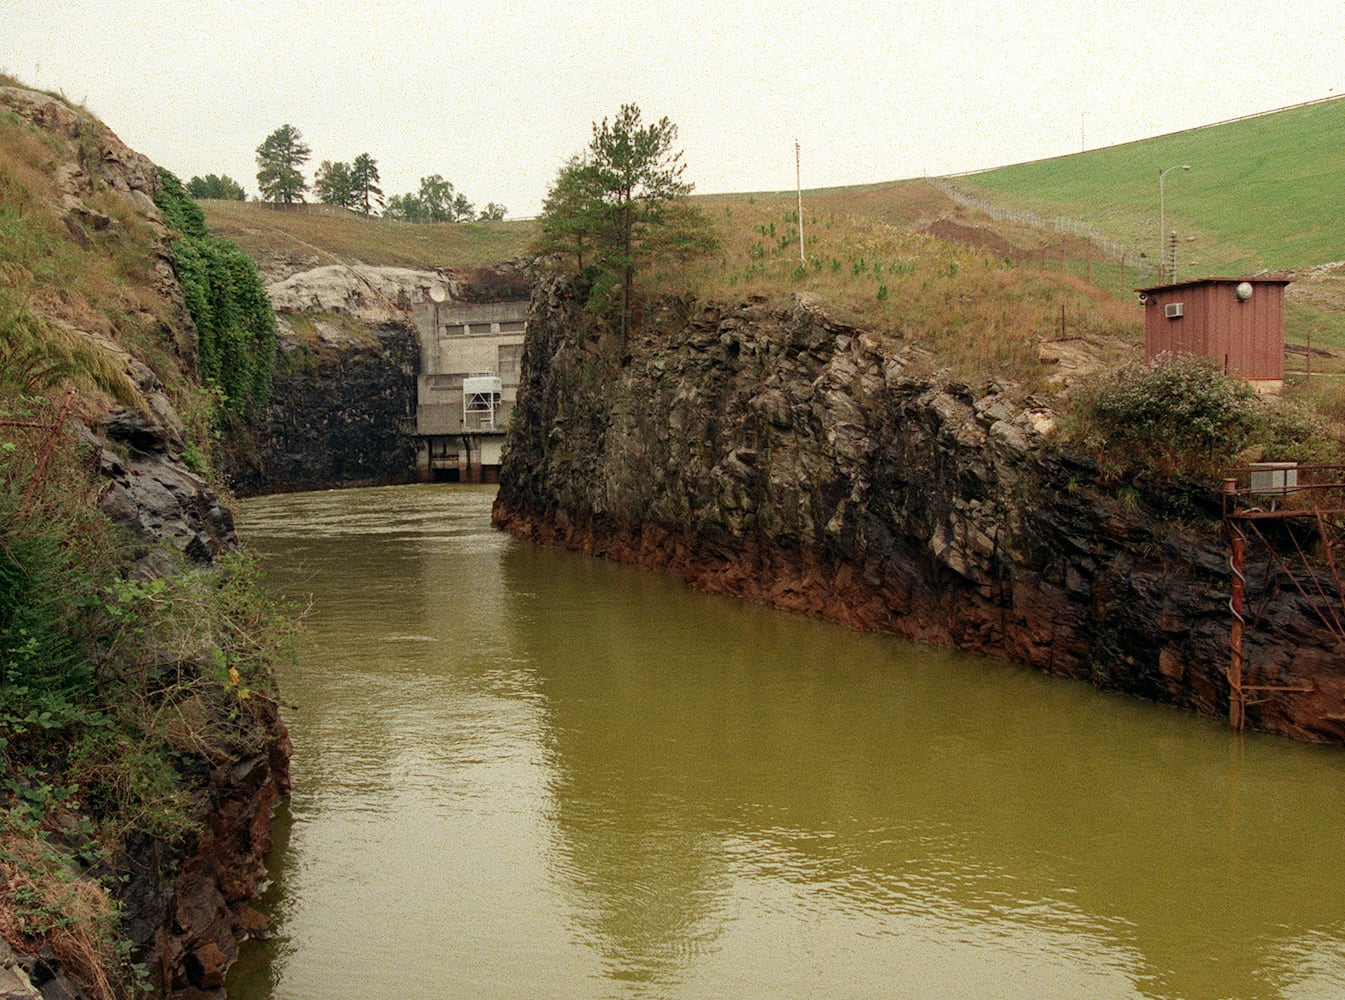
522, 772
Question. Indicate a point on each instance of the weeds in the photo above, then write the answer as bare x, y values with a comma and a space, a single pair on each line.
44, 898
975, 315
113, 692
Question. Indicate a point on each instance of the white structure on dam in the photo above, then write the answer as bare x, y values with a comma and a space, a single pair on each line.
470, 360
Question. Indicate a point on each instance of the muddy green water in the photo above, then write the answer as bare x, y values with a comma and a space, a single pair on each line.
525, 773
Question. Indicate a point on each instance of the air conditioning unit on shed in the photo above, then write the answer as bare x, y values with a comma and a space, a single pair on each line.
1173, 310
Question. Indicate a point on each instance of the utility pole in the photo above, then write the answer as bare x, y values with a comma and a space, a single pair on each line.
1161, 226
798, 186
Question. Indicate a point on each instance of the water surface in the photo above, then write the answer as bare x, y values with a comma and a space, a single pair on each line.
526, 773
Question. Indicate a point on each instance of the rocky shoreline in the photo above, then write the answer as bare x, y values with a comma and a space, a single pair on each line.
786, 458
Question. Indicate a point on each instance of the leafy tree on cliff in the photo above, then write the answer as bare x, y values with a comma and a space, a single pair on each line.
627, 200
222, 187
280, 156
492, 212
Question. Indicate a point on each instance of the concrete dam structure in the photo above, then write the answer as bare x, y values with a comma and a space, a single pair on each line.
389, 375
470, 359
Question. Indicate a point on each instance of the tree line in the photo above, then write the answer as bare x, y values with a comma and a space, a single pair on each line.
353, 185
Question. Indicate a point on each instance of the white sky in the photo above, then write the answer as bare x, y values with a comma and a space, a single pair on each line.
496, 95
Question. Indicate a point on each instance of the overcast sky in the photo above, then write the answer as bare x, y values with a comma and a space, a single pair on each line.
496, 95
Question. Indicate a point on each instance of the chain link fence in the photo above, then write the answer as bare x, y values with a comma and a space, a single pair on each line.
1102, 259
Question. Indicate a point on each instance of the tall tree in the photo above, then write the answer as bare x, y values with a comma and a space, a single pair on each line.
334, 184
636, 171
280, 156
628, 200
364, 184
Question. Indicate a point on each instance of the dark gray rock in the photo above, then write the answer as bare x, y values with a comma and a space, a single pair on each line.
813, 472
339, 415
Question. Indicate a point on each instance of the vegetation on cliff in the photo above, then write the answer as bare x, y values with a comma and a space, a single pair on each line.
1183, 417
235, 328
622, 205
133, 663
117, 694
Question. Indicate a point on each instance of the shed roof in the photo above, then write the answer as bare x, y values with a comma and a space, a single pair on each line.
1262, 280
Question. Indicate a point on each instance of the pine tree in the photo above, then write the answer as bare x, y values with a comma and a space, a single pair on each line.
623, 202
280, 156
364, 184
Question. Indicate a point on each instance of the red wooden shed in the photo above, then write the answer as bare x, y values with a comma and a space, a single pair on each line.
1239, 322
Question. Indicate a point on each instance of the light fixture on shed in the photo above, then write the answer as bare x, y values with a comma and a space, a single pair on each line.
1243, 291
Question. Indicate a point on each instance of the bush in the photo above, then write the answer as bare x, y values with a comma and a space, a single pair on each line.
1182, 416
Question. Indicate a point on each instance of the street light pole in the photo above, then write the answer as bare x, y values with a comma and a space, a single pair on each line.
1161, 229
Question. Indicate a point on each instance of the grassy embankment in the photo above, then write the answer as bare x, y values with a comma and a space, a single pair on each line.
260, 230
868, 260
116, 691
1260, 194
1266, 192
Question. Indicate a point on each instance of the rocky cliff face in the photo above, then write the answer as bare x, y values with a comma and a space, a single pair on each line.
789, 459
343, 397
182, 904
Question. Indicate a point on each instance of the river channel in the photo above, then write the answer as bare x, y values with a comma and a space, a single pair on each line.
522, 772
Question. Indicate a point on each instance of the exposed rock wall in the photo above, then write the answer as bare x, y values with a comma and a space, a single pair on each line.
789, 459
183, 906
340, 414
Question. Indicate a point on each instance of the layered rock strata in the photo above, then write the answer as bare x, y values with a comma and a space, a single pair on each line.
786, 458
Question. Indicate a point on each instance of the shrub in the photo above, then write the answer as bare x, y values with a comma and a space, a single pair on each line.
1178, 415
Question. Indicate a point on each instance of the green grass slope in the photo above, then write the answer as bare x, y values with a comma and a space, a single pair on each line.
1262, 192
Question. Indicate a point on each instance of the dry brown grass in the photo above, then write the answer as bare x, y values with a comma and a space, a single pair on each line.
43, 901
260, 230
869, 262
